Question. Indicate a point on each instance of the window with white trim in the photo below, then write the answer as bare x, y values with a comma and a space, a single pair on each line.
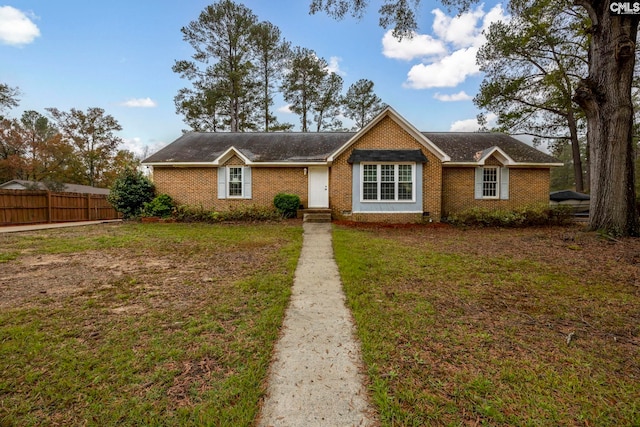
235, 182
490, 182
387, 182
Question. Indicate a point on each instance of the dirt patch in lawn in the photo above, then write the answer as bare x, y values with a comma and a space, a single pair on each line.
52, 279
141, 324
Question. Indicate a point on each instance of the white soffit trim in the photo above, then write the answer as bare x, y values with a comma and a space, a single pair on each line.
256, 164
512, 165
180, 164
231, 151
482, 156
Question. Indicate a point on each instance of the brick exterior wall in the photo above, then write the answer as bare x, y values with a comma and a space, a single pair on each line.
188, 186
388, 135
267, 182
527, 186
199, 186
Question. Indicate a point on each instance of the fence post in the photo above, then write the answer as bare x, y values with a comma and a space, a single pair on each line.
88, 207
49, 207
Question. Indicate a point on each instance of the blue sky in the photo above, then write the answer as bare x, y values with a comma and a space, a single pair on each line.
118, 55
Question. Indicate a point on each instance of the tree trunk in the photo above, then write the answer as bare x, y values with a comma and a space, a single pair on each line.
575, 152
233, 119
605, 97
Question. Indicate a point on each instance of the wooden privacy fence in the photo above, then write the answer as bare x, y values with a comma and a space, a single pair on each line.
40, 206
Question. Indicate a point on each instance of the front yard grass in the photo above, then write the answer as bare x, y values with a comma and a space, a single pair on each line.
532, 327
141, 324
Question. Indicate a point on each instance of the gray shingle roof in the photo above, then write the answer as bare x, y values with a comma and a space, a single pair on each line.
257, 147
294, 147
68, 188
463, 146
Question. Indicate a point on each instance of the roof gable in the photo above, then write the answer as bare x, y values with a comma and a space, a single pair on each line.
474, 148
485, 154
231, 151
404, 124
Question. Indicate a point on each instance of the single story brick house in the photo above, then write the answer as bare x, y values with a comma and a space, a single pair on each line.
388, 171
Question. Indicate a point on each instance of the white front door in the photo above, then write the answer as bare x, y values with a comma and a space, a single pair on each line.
318, 187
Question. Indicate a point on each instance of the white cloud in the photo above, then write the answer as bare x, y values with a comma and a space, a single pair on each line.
450, 71
285, 109
460, 96
472, 125
140, 103
494, 15
418, 46
468, 125
141, 150
448, 56
334, 66
16, 28
461, 30
134, 145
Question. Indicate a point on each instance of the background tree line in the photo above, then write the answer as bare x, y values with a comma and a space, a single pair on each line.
240, 64
533, 65
74, 147
557, 66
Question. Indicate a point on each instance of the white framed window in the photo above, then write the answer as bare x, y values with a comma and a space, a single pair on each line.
234, 182
492, 182
234, 178
387, 182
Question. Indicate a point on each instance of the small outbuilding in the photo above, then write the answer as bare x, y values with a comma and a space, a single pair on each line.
19, 184
580, 202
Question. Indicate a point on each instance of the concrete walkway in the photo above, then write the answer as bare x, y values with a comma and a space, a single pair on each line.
18, 228
315, 377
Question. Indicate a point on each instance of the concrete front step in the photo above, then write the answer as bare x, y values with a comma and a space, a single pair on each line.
317, 217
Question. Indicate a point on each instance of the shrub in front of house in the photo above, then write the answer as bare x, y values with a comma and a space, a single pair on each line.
534, 215
287, 204
130, 191
161, 206
184, 213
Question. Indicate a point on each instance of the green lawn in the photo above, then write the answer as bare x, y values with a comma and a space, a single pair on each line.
174, 324
141, 324
496, 327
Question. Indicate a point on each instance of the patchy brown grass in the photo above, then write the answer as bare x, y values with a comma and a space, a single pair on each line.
141, 324
496, 327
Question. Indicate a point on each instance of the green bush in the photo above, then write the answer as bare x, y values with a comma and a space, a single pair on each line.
130, 191
185, 213
287, 204
528, 216
162, 206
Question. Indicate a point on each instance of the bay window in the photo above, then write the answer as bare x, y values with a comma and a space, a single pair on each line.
388, 182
